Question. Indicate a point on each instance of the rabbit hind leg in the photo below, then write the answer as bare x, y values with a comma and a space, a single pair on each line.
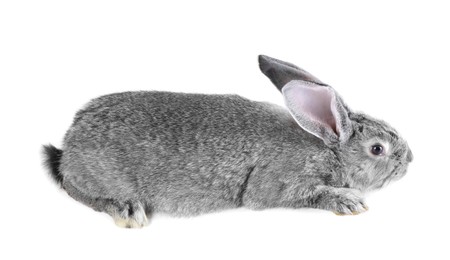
127, 214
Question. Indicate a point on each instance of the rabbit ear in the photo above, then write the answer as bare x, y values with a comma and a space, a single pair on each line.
281, 72
319, 110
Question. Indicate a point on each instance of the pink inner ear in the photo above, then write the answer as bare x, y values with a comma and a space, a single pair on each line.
315, 102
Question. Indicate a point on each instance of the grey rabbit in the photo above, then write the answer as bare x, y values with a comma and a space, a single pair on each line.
133, 154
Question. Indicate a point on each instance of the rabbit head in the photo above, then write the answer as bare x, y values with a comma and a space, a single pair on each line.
371, 152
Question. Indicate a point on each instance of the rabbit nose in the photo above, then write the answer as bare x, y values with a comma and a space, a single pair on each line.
409, 156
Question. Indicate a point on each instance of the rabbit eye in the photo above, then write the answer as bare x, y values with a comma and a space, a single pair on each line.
377, 149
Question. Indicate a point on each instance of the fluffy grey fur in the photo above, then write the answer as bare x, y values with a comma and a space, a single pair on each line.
135, 153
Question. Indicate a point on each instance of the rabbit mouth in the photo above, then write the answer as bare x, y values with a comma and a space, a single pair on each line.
385, 182
398, 172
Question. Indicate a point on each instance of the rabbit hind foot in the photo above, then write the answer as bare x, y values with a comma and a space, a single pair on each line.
132, 215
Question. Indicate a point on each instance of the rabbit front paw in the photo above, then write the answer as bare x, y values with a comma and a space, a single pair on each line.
346, 202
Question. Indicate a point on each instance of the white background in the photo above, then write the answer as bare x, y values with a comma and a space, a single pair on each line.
388, 58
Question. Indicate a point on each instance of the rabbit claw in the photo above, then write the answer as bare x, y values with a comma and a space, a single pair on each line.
129, 222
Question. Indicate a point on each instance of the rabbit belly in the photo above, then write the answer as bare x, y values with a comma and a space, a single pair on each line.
178, 188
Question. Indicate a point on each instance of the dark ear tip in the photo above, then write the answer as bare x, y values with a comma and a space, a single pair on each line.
263, 61
262, 58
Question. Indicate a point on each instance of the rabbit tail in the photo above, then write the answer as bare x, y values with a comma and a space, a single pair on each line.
52, 160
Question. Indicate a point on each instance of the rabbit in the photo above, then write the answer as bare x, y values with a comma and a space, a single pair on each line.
133, 154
